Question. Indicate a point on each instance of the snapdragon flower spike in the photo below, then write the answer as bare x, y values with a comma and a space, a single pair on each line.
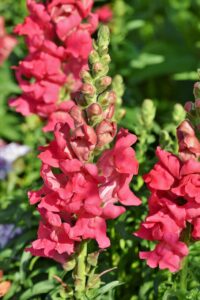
100, 96
78, 196
58, 37
173, 204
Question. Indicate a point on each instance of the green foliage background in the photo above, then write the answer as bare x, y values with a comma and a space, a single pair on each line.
155, 47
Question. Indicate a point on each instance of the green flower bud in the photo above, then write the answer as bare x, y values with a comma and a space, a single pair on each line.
70, 264
165, 139
94, 281
100, 70
88, 89
103, 39
92, 258
103, 99
148, 112
178, 114
86, 77
94, 57
105, 59
102, 83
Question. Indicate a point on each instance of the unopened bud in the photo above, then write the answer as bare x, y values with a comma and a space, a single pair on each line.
70, 265
148, 112
103, 83
196, 90
77, 115
105, 131
106, 59
103, 99
100, 69
97, 67
94, 110
92, 258
103, 39
93, 57
88, 89
178, 113
109, 112
80, 99
189, 145
86, 77
197, 103
188, 106
112, 97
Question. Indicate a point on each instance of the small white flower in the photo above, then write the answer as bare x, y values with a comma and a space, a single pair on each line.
8, 154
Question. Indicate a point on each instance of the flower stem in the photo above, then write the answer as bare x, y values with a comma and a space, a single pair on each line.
183, 277
80, 271
184, 271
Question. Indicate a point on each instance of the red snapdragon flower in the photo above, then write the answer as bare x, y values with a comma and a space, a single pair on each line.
76, 201
174, 200
58, 37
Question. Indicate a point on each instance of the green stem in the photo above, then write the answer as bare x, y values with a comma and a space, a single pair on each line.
80, 271
184, 271
183, 277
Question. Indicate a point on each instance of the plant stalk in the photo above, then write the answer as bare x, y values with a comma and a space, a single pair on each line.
80, 271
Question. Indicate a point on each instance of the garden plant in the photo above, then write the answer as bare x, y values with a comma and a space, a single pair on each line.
99, 150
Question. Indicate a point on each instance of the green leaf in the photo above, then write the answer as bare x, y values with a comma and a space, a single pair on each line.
42, 287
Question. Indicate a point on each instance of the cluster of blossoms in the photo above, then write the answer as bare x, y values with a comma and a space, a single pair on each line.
58, 37
85, 184
7, 42
173, 220
174, 210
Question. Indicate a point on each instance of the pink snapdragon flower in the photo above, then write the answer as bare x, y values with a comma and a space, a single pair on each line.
174, 200
85, 193
7, 42
58, 37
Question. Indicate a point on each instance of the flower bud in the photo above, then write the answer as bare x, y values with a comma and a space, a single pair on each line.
178, 113
109, 112
148, 112
106, 59
189, 145
196, 90
86, 77
80, 99
112, 97
197, 103
105, 131
107, 98
70, 264
94, 110
100, 69
103, 83
103, 39
77, 115
88, 89
188, 106
92, 258
93, 57
97, 67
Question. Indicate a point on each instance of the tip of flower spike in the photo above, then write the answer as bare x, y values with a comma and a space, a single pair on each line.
103, 38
